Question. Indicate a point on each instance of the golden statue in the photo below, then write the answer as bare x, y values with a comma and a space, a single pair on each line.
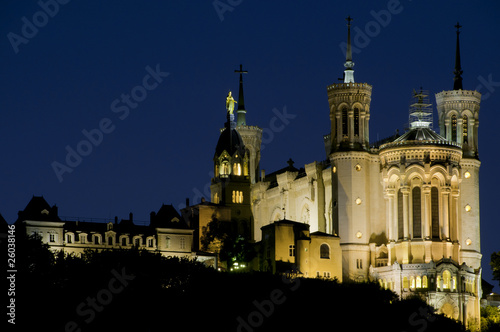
230, 103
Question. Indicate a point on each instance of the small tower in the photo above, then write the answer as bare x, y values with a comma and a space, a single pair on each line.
458, 111
349, 108
251, 135
352, 168
231, 182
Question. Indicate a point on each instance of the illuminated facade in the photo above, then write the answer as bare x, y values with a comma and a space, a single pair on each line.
404, 211
167, 233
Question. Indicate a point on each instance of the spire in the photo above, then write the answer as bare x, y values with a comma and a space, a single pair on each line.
348, 72
457, 80
241, 121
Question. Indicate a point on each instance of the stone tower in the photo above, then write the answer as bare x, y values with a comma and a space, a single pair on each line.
352, 167
251, 135
458, 112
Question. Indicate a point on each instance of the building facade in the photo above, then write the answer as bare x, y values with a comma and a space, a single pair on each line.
404, 211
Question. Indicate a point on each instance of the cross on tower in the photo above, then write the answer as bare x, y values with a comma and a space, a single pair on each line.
458, 26
349, 20
241, 71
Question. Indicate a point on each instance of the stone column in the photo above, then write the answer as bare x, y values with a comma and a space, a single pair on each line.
445, 193
426, 189
405, 190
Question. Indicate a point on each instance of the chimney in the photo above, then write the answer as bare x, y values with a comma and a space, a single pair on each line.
116, 219
262, 175
55, 210
131, 216
187, 201
152, 215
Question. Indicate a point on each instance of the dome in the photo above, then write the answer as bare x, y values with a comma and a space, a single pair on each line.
419, 136
230, 140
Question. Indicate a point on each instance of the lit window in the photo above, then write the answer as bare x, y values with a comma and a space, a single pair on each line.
167, 242
52, 238
182, 242
291, 250
424, 282
454, 128
324, 251
405, 282
412, 282
465, 129
419, 282
237, 168
446, 279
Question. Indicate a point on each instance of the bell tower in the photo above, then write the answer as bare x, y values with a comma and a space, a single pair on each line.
352, 167
458, 112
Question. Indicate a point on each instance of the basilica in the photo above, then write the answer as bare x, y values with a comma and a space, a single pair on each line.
403, 212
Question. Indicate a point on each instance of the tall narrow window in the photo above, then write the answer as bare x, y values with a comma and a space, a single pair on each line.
417, 213
345, 133
454, 128
324, 251
356, 122
182, 242
400, 215
465, 129
291, 250
435, 212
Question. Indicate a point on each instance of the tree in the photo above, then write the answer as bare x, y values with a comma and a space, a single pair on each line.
495, 265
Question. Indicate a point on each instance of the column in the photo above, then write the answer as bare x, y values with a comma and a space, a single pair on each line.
455, 225
389, 197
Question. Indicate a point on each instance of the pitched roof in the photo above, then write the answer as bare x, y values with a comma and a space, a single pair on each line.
38, 209
167, 217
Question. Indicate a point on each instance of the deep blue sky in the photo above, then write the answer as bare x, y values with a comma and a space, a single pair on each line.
64, 79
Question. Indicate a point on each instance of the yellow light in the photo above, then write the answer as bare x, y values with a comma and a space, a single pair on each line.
359, 235
358, 201
468, 208
467, 174
468, 242
358, 167
334, 169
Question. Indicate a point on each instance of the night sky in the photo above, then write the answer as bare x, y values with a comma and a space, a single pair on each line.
67, 74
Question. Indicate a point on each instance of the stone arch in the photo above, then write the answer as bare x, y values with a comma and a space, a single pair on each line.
277, 214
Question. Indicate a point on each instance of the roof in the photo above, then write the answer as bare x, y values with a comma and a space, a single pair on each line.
230, 140
286, 222
419, 136
167, 217
38, 209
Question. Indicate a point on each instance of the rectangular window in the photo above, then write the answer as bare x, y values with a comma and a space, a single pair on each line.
417, 215
69, 238
52, 237
124, 241
167, 242
96, 240
356, 122
435, 212
110, 241
359, 263
291, 250
345, 133
400, 215
150, 243
182, 242
82, 238
137, 242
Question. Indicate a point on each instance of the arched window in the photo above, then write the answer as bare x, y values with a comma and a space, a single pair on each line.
345, 127
356, 122
400, 215
237, 168
465, 129
419, 282
224, 169
405, 282
454, 128
446, 279
424, 282
412, 282
435, 212
324, 251
417, 214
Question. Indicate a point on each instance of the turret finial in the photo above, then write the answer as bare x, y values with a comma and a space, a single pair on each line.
348, 72
457, 80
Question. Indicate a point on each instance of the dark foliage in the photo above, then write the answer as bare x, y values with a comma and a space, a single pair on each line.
143, 291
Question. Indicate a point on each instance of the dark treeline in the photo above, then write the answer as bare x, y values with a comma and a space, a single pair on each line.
133, 290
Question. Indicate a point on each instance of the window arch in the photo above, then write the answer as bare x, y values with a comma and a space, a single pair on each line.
345, 127
417, 213
324, 251
424, 282
454, 127
446, 279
